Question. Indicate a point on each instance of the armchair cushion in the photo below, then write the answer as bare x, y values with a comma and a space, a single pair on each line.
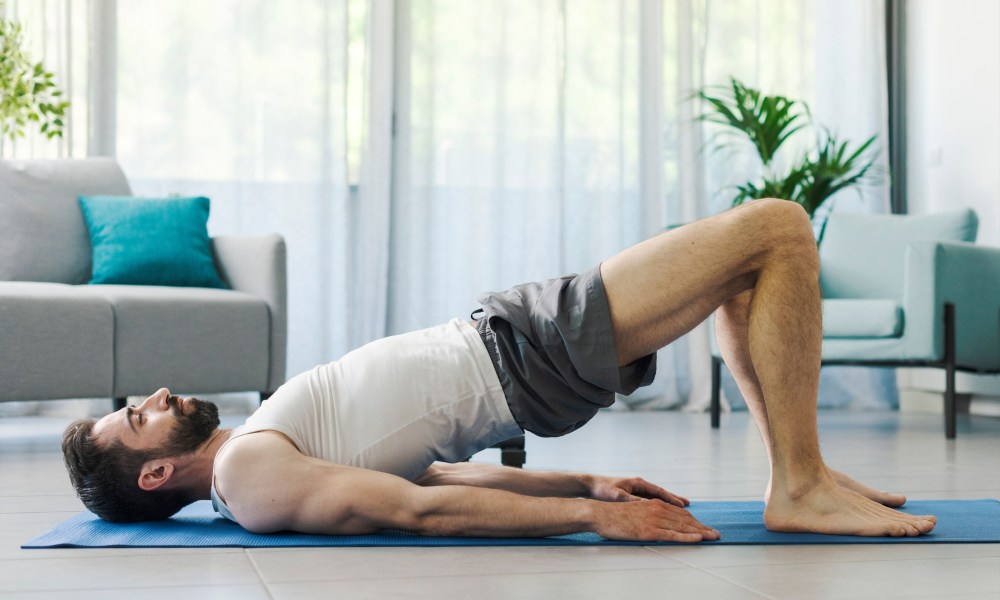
150, 241
862, 319
862, 256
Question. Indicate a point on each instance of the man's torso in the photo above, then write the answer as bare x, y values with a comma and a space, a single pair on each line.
395, 405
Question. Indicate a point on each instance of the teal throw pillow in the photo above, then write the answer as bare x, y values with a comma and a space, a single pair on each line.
150, 241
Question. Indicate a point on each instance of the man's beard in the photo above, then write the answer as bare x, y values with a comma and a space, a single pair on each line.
191, 430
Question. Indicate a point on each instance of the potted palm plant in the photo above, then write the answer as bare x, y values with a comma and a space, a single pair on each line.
767, 122
28, 93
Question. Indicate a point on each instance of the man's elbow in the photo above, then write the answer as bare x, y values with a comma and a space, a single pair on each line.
261, 525
431, 514
263, 519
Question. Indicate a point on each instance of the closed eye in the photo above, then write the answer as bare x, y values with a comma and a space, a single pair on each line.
129, 412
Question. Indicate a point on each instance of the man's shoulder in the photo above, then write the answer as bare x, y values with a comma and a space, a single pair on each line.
247, 469
251, 451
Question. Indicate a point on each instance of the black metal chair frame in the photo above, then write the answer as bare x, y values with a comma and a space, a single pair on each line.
512, 452
947, 363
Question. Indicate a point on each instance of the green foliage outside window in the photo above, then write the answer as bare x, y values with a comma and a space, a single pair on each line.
27, 91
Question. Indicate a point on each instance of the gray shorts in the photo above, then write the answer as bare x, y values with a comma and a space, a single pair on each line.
554, 351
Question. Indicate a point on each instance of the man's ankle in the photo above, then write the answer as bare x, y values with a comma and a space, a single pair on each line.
798, 485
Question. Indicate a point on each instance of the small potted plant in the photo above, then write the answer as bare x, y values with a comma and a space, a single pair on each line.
768, 122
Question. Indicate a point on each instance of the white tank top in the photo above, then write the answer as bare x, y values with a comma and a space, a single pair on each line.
395, 405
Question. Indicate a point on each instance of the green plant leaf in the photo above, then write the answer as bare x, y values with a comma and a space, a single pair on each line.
28, 93
766, 123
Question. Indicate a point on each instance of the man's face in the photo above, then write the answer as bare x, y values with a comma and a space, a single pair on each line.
165, 424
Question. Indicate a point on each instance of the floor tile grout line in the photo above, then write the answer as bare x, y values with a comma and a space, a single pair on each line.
660, 554
260, 576
680, 560
737, 584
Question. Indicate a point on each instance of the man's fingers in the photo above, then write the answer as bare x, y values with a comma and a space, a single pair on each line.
702, 530
677, 536
650, 490
680, 519
679, 501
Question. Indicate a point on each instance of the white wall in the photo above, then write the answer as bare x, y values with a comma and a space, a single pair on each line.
953, 128
953, 91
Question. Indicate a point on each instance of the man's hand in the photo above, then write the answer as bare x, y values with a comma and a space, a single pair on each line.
650, 521
611, 489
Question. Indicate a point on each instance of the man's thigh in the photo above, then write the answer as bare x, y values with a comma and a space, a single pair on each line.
662, 288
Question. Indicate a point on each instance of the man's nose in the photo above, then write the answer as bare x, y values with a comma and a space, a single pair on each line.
156, 399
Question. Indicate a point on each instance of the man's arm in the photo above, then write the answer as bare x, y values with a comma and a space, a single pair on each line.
270, 486
546, 483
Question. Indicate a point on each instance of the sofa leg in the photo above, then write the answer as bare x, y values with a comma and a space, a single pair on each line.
265, 396
119, 402
716, 392
949, 371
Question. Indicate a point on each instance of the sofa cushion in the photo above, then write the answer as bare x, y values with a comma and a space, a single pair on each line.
57, 342
150, 241
862, 256
188, 339
862, 319
42, 234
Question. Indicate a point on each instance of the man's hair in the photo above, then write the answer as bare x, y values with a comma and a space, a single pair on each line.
106, 478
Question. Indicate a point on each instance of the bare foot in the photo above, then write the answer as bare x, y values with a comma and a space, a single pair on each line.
884, 498
834, 509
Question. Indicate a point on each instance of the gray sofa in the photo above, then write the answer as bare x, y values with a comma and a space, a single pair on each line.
63, 338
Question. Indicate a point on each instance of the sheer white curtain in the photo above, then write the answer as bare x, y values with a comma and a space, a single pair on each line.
250, 103
517, 148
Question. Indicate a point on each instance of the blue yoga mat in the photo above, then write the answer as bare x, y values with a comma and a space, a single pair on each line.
739, 523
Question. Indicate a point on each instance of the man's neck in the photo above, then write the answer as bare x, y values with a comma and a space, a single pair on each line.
203, 467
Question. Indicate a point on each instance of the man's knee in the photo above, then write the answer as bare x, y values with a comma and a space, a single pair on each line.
788, 229
782, 213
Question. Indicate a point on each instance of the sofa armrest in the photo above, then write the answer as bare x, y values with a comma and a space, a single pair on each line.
962, 274
256, 264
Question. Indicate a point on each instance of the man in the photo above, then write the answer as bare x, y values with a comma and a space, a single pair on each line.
350, 447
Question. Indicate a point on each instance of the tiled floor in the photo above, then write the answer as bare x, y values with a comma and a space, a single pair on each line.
905, 452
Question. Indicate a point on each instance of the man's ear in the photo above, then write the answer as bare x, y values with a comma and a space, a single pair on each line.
154, 474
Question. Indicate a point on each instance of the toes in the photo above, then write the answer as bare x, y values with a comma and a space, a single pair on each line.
893, 500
